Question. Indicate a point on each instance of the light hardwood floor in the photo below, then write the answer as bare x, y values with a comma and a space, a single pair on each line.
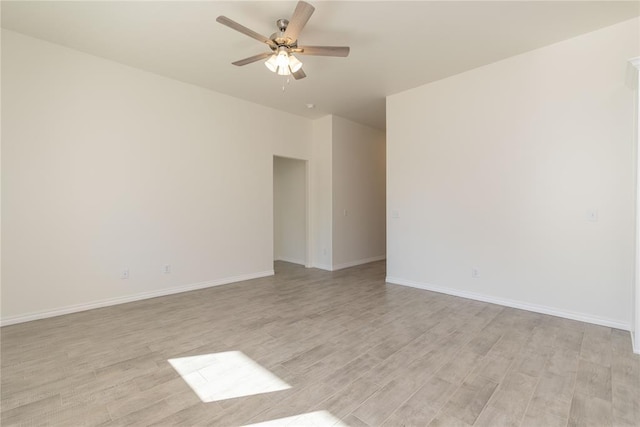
365, 352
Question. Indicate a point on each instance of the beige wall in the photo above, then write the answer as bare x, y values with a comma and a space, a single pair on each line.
321, 182
497, 169
359, 196
634, 83
290, 210
106, 167
348, 173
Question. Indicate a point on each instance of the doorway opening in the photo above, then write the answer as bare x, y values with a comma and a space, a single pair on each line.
290, 211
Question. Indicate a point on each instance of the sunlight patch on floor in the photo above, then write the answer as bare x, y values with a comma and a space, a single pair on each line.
310, 419
221, 376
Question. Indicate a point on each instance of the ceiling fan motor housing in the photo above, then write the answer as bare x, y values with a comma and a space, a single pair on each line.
279, 39
282, 24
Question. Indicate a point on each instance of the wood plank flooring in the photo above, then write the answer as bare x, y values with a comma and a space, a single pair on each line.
354, 351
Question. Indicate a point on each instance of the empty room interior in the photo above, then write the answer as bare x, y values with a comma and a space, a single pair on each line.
322, 213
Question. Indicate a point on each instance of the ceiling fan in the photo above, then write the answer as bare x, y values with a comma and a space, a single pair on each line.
284, 43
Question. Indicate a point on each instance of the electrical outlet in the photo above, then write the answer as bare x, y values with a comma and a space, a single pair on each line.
167, 269
125, 274
475, 273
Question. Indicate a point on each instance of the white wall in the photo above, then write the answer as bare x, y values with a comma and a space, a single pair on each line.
106, 167
290, 211
496, 168
359, 182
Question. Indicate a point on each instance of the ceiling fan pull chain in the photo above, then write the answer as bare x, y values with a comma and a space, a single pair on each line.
285, 82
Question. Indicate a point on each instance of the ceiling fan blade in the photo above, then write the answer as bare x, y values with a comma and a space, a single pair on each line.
301, 15
323, 50
253, 58
299, 74
244, 30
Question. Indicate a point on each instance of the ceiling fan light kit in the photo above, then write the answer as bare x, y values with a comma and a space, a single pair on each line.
284, 43
283, 63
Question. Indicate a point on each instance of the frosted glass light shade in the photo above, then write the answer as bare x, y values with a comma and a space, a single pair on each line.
284, 71
282, 59
294, 63
271, 63
282, 63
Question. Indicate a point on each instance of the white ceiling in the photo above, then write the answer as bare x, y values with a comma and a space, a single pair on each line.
395, 45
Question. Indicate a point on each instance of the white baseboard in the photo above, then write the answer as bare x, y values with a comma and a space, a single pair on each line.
634, 344
359, 262
291, 260
325, 267
582, 317
130, 298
